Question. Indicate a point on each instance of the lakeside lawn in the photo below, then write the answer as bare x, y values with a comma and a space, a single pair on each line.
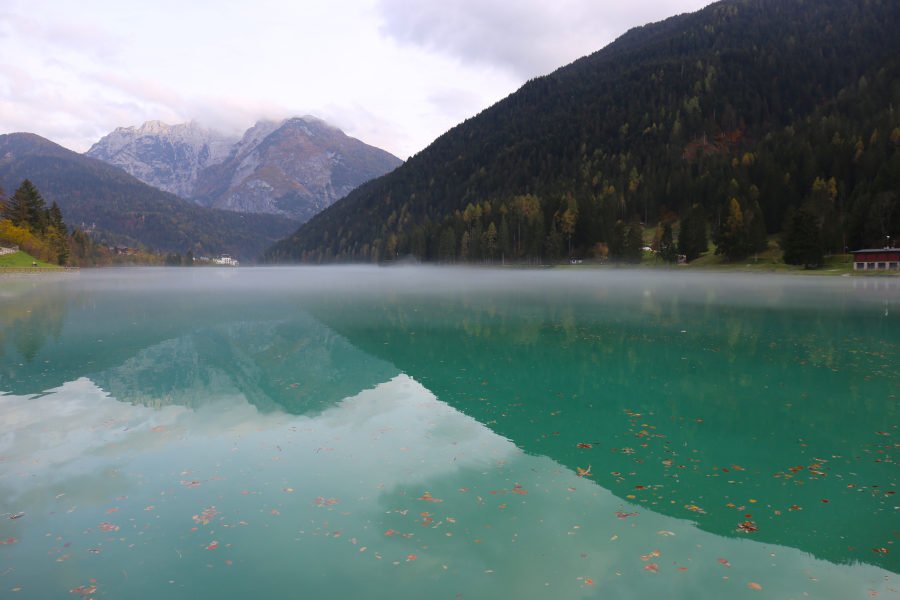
22, 259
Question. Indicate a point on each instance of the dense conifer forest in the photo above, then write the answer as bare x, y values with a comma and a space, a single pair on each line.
743, 121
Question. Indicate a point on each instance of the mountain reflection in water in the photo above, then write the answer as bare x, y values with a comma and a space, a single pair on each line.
413, 430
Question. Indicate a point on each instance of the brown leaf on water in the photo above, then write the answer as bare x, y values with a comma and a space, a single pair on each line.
747, 527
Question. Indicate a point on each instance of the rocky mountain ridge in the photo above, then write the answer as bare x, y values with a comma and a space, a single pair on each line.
294, 168
168, 157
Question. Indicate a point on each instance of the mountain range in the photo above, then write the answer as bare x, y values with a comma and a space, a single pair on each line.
117, 208
293, 168
747, 110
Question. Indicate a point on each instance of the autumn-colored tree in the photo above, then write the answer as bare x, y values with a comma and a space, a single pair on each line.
732, 240
569, 219
490, 240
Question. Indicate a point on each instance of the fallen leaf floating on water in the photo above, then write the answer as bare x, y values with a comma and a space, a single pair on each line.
107, 526
589, 581
747, 527
205, 517
321, 500
9, 541
625, 515
652, 567
584, 472
212, 545
754, 586
17, 515
881, 550
724, 562
654, 554
427, 497
583, 445
84, 590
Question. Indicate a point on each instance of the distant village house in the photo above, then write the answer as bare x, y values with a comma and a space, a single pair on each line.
225, 259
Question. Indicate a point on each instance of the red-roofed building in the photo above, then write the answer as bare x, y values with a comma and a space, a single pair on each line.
883, 259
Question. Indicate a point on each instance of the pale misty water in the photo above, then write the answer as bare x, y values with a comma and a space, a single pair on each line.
439, 433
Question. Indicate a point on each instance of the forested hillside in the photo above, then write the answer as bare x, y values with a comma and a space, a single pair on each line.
739, 117
116, 208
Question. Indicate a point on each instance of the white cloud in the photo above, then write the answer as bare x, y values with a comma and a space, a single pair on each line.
394, 73
527, 37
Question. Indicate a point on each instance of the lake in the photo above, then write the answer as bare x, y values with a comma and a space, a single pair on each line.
414, 432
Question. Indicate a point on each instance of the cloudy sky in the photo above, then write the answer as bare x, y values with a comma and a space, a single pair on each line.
393, 73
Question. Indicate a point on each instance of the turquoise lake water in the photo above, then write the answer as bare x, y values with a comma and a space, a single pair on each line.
448, 433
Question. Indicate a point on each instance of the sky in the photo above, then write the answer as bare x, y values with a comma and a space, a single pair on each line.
393, 73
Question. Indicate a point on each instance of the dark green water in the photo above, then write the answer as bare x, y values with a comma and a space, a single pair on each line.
412, 432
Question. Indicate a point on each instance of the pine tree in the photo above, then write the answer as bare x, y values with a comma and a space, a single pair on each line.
667, 250
617, 241
4, 206
692, 238
802, 243
634, 243
503, 238
56, 218
27, 208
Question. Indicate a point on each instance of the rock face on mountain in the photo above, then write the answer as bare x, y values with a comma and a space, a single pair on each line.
293, 168
168, 157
